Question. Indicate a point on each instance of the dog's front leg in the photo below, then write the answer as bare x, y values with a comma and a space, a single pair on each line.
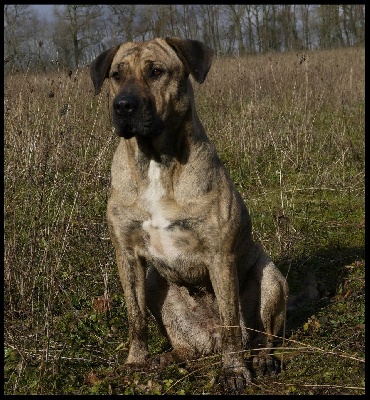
131, 270
225, 284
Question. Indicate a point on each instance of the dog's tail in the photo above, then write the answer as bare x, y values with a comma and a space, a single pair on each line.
309, 294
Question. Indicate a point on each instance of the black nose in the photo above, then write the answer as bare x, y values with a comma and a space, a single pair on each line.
126, 105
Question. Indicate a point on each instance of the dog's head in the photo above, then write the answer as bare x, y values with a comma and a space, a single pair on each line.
149, 82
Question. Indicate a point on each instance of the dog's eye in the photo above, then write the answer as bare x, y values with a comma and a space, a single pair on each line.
115, 75
156, 72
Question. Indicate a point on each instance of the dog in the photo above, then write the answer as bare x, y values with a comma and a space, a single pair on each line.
181, 231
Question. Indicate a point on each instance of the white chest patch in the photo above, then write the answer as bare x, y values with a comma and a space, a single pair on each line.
153, 196
165, 241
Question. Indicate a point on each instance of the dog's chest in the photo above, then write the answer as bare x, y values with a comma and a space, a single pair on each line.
154, 192
168, 239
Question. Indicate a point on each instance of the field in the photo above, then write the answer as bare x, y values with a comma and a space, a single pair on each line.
289, 128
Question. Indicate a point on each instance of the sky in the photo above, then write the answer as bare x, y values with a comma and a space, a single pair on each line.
44, 10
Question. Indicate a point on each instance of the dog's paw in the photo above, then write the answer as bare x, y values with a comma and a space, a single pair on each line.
133, 366
235, 380
137, 362
265, 364
156, 362
160, 361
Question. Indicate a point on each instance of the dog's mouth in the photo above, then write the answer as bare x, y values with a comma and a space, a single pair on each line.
132, 116
130, 127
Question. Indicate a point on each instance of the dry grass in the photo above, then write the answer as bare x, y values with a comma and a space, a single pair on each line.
289, 127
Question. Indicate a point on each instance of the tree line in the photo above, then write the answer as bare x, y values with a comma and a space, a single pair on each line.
78, 33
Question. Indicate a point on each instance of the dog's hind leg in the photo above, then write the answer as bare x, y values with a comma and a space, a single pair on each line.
190, 321
263, 304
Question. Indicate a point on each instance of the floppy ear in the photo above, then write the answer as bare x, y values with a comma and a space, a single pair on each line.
99, 68
195, 55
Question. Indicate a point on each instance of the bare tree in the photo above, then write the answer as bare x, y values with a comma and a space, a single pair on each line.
257, 22
41, 47
18, 20
357, 23
275, 29
250, 26
210, 22
151, 21
161, 20
304, 13
80, 32
187, 21
124, 21
235, 14
77, 28
329, 26
288, 30
337, 29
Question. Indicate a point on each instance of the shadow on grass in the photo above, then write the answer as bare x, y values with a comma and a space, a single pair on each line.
328, 268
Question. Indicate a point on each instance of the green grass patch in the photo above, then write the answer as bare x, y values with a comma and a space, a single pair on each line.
292, 138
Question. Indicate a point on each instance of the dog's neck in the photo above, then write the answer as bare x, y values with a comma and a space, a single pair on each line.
169, 146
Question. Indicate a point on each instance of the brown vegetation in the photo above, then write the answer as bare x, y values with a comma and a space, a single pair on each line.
290, 129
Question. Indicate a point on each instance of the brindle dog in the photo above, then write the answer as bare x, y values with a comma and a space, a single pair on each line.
181, 231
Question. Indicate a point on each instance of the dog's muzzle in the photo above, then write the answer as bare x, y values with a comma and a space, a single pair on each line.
134, 116
126, 106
